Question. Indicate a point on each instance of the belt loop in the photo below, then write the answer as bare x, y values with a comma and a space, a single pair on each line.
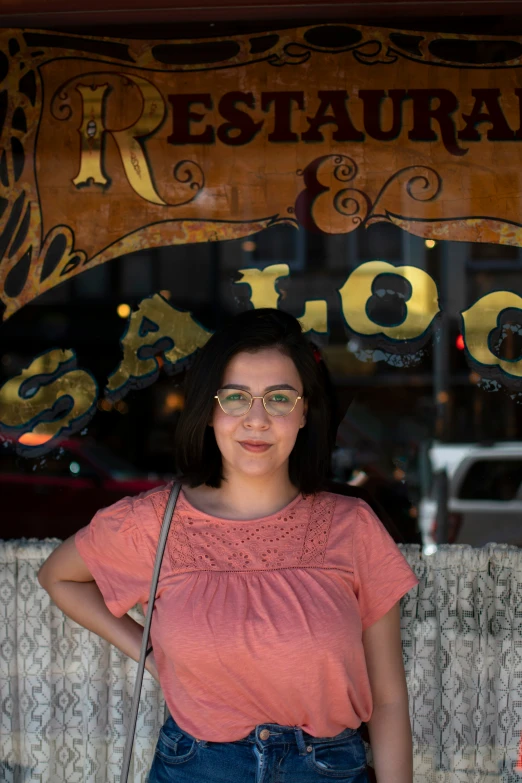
300, 741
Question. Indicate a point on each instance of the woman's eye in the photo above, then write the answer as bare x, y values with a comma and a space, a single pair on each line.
279, 398
236, 396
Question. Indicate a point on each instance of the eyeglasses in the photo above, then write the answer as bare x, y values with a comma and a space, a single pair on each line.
237, 402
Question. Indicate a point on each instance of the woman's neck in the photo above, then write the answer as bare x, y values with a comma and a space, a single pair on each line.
241, 497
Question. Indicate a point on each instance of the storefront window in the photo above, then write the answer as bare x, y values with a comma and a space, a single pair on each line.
280, 204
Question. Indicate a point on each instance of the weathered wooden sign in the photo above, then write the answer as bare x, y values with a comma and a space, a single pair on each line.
109, 146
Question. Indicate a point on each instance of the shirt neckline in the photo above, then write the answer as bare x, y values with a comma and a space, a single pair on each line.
203, 514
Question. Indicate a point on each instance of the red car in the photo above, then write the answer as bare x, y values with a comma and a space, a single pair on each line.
56, 495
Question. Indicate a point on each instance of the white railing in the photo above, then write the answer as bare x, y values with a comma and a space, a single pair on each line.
65, 693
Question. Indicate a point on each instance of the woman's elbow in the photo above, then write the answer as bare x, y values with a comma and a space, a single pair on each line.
64, 564
44, 577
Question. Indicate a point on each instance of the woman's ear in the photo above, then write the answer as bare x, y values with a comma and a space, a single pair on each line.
305, 411
212, 414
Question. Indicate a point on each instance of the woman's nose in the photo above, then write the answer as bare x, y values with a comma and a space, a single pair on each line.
257, 415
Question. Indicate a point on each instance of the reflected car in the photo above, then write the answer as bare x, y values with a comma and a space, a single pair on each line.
55, 495
484, 495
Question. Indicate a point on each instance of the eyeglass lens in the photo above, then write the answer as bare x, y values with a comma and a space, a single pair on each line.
236, 402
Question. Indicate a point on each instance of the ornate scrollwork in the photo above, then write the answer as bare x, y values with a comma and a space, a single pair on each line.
190, 173
314, 204
290, 54
61, 108
345, 168
421, 183
371, 52
424, 185
353, 204
349, 202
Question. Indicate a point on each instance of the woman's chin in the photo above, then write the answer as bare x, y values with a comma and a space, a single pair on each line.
253, 468
256, 471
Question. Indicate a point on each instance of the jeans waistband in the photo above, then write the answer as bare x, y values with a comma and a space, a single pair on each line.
280, 734
274, 734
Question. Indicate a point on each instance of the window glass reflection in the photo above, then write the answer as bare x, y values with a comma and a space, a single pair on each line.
405, 405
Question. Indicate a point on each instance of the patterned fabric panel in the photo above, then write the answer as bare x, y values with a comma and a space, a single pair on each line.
65, 694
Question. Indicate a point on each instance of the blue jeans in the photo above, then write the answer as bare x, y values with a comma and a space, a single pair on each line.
269, 754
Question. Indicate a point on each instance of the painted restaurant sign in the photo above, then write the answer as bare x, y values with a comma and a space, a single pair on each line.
109, 146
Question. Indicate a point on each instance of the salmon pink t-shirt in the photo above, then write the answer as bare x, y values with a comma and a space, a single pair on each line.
259, 620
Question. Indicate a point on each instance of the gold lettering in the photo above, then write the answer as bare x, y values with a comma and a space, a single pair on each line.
263, 283
29, 400
265, 293
132, 149
155, 328
129, 140
91, 134
480, 320
421, 307
315, 316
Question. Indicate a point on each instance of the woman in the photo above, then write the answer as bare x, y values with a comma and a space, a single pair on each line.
276, 627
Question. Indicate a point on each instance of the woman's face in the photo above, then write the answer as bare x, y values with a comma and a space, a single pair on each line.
237, 436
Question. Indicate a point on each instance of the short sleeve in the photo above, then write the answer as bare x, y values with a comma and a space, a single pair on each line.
117, 556
382, 575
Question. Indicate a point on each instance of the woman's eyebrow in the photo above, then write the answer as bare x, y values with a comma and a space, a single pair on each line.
268, 388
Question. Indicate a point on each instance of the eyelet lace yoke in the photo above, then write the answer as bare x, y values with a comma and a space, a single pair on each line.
291, 539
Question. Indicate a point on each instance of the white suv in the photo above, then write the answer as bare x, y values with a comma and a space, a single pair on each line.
484, 494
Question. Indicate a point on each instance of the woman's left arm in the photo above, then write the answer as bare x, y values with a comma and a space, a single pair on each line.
389, 727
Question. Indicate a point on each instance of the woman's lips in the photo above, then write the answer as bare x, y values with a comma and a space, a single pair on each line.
254, 447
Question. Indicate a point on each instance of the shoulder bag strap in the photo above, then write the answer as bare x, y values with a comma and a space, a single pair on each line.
167, 519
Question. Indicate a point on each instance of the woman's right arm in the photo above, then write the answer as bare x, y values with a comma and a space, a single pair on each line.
66, 578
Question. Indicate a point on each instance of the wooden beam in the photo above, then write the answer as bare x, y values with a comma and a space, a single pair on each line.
59, 13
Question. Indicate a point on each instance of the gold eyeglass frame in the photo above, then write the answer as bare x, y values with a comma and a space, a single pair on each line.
252, 398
